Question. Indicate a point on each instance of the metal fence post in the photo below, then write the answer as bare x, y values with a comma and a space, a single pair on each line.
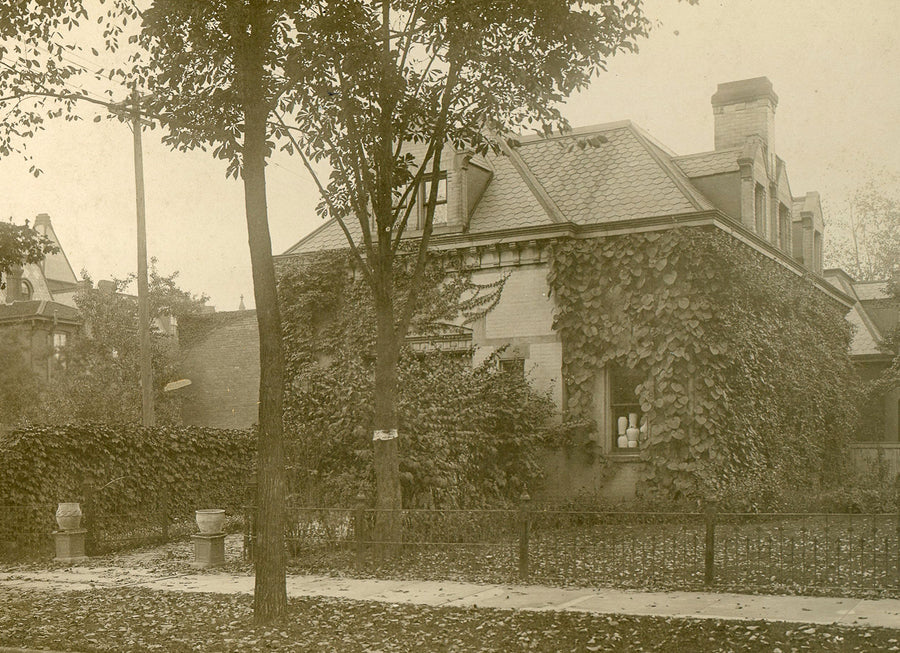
249, 520
164, 511
710, 549
524, 527
897, 500
359, 530
88, 521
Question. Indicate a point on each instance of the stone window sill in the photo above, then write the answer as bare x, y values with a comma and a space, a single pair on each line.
623, 457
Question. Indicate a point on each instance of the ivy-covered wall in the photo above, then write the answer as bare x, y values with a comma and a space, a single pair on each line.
744, 371
470, 436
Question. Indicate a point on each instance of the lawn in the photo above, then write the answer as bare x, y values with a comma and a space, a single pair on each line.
125, 620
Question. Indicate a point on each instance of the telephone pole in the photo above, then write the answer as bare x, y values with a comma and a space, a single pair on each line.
148, 417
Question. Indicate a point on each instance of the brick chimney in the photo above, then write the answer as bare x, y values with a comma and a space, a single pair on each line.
743, 109
42, 220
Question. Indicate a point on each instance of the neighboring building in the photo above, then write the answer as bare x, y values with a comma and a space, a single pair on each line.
875, 315
220, 357
38, 303
502, 213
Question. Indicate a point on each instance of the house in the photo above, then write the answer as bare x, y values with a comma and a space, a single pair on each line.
875, 316
38, 304
506, 213
220, 357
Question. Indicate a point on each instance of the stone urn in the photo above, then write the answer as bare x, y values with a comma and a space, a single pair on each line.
68, 516
210, 521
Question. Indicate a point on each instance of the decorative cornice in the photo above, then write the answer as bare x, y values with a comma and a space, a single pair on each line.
535, 235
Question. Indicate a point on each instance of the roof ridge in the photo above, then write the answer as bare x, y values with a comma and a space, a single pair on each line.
684, 186
551, 208
529, 139
706, 153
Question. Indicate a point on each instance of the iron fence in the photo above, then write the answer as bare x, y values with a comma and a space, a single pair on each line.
638, 549
26, 530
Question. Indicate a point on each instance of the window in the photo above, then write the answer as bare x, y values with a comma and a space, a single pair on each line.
760, 210
25, 290
440, 205
514, 366
784, 228
59, 341
629, 425
817, 252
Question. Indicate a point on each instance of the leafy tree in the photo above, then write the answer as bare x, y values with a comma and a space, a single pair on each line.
101, 378
358, 82
864, 239
384, 88
217, 71
20, 245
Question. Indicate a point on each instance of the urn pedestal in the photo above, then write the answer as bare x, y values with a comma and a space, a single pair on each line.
209, 550
70, 545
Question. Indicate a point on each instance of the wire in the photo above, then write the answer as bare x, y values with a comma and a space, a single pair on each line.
81, 93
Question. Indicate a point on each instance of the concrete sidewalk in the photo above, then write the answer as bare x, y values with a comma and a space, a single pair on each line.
699, 605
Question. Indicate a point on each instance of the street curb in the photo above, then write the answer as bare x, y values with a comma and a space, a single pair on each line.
7, 649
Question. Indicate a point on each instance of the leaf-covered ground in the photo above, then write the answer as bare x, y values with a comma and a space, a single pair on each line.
143, 620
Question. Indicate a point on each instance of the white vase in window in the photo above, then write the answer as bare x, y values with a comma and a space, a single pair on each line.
623, 424
632, 432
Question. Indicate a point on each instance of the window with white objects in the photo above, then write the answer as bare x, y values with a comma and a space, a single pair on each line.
629, 425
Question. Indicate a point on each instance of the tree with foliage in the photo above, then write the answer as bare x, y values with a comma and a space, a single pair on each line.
387, 87
101, 378
864, 239
353, 85
21, 245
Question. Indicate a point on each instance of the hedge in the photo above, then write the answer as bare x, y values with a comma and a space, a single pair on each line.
125, 467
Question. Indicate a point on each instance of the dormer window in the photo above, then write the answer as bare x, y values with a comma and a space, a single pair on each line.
784, 228
760, 210
440, 205
25, 290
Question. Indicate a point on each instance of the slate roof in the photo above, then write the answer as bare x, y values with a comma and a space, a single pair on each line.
626, 176
36, 308
709, 163
56, 266
867, 337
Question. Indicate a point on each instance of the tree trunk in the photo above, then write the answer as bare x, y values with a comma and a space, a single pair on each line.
270, 594
386, 441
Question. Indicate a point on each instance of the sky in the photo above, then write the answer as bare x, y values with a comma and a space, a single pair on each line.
835, 66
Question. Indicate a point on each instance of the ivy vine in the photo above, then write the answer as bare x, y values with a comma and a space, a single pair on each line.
748, 386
